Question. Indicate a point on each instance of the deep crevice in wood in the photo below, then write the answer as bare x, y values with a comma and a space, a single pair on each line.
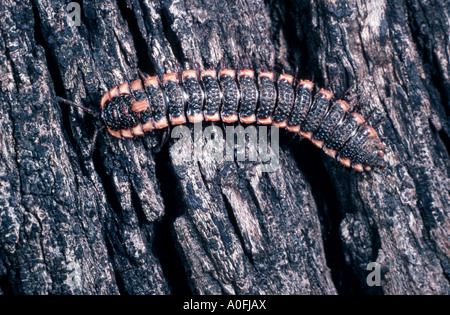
235, 226
329, 214
171, 36
55, 74
142, 53
119, 281
105, 178
164, 244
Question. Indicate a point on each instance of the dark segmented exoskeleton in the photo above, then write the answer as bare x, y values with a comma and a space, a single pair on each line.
267, 98
158, 102
132, 109
195, 96
249, 96
316, 113
285, 100
330, 123
302, 103
212, 95
231, 96
175, 99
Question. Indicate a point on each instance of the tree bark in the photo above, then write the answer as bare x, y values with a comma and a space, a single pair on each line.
131, 220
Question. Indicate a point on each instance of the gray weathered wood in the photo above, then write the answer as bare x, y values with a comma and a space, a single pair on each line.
134, 221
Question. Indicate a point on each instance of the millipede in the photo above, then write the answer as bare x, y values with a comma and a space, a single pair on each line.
265, 98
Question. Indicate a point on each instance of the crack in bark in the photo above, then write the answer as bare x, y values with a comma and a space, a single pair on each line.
164, 244
234, 224
330, 216
143, 55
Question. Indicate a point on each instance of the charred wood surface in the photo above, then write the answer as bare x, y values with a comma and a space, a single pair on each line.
129, 219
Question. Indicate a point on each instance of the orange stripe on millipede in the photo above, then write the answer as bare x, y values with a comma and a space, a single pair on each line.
269, 75
214, 117
190, 74
265, 121
104, 99
372, 132
281, 124
295, 129
346, 162
162, 123
307, 84
247, 73
317, 143
248, 120
148, 126
289, 78
228, 72
136, 85
151, 81
115, 133
329, 152
195, 118
344, 105
230, 119
306, 134
210, 72
178, 120
140, 106
359, 118
114, 92
328, 94
124, 88
126, 133
173, 77
358, 167
138, 130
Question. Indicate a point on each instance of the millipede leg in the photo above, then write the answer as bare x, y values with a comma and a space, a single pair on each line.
68, 102
94, 141
346, 92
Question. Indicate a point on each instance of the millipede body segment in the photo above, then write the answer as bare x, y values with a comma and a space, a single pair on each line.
132, 109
